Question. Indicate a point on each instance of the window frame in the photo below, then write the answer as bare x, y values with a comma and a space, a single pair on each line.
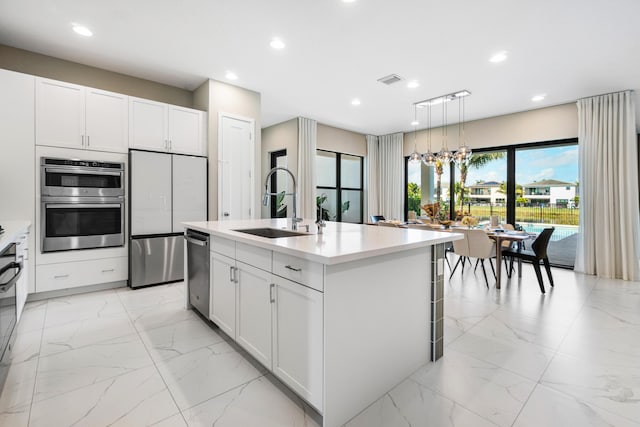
338, 188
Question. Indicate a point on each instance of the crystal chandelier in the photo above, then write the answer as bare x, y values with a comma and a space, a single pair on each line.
415, 156
445, 156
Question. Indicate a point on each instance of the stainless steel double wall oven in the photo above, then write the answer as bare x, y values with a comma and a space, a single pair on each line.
82, 204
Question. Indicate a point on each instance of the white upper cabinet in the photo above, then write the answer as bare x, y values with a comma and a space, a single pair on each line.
59, 114
74, 116
161, 127
106, 121
148, 125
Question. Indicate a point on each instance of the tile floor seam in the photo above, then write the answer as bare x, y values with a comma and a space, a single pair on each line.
155, 366
35, 379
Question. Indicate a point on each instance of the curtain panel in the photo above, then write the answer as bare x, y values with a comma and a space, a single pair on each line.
390, 176
307, 139
608, 176
371, 168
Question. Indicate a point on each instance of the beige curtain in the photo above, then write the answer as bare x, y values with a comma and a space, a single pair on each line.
390, 176
371, 183
307, 137
608, 178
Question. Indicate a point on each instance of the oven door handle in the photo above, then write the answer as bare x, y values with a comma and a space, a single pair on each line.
50, 205
82, 172
4, 287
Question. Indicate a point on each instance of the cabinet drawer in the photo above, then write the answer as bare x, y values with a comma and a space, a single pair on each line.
253, 255
223, 246
299, 270
50, 277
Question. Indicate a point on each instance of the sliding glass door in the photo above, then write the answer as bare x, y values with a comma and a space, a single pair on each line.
547, 186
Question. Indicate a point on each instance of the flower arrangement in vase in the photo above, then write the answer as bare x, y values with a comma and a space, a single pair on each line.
469, 221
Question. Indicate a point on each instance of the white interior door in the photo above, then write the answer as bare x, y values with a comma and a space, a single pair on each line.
235, 161
189, 190
150, 193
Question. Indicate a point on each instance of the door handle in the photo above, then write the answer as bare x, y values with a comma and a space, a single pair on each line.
225, 214
195, 241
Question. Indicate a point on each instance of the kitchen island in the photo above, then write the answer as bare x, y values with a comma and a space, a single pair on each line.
340, 317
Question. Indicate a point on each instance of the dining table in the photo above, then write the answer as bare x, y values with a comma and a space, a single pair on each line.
498, 235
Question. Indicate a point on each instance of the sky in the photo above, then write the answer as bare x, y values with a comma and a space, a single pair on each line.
559, 163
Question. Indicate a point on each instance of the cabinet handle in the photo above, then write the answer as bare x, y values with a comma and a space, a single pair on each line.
231, 279
170, 145
82, 143
166, 144
292, 268
272, 297
88, 141
235, 274
62, 276
109, 270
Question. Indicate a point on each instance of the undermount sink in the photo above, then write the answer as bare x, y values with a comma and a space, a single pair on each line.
270, 233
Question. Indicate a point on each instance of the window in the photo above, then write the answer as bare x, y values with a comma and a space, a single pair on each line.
339, 184
280, 182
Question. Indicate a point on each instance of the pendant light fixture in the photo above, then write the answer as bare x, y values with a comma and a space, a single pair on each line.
429, 158
464, 151
444, 155
415, 156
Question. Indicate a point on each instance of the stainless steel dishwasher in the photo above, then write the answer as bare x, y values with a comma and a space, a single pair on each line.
198, 270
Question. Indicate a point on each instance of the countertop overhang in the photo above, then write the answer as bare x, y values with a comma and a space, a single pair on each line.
12, 229
340, 242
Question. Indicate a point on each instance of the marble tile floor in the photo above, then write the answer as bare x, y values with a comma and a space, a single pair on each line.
513, 357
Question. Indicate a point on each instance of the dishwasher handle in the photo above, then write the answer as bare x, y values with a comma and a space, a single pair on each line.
198, 242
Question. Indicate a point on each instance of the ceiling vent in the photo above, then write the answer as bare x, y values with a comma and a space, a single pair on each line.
390, 79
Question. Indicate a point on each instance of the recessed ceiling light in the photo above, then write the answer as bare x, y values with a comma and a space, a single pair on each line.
415, 123
231, 76
277, 44
413, 84
348, 1
355, 101
82, 30
538, 98
499, 57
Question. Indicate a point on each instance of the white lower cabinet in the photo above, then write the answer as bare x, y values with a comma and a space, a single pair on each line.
278, 321
222, 307
254, 312
297, 338
22, 285
64, 275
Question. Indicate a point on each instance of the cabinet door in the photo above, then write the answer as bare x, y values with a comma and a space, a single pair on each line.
60, 119
222, 307
297, 339
147, 125
185, 130
189, 190
107, 120
22, 286
254, 312
150, 196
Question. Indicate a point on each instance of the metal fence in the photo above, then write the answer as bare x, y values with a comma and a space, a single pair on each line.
543, 214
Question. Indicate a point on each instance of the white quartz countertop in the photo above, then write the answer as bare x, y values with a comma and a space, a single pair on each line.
12, 229
340, 242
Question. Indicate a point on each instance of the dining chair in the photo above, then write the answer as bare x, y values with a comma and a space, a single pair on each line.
537, 253
375, 218
461, 248
482, 248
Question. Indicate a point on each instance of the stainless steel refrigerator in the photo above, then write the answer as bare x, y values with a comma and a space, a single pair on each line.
165, 190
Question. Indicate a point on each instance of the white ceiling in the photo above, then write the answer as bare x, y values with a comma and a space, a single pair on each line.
336, 51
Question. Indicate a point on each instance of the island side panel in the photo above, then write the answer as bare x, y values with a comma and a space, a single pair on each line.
437, 301
377, 318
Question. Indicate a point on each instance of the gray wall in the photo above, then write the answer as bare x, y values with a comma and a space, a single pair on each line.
36, 64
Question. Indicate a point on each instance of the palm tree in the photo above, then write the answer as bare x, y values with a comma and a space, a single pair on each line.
476, 161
